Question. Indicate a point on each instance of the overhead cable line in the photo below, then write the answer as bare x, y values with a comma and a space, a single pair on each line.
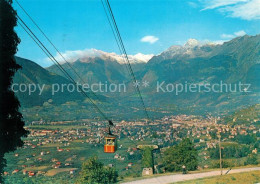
48, 39
52, 58
114, 34
117, 41
34, 22
122, 47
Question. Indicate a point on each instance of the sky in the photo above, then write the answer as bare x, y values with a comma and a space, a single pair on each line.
146, 26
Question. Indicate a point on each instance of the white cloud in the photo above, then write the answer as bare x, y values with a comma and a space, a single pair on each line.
240, 33
86, 55
149, 39
142, 57
227, 36
211, 42
212, 4
244, 9
73, 55
235, 34
219, 42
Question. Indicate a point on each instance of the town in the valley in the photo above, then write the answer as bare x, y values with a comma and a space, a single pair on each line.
57, 149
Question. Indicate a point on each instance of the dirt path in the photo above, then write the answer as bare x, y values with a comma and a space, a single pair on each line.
180, 177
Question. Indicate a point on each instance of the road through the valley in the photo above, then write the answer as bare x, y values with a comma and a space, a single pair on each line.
180, 177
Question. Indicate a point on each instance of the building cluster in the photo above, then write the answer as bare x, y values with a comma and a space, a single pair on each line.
164, 132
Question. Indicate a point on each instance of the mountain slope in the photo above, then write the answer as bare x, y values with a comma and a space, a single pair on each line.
31, 73
94, 70
249, 115
234, 62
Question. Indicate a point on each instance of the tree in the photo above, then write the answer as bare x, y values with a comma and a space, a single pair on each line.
246, 139
182, 154
251, 160
11, 123
94, 172
230, 151
224, 163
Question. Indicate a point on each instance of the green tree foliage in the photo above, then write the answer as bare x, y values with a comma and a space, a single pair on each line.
147, 157
224, 164
213, 134
94, 172
230, 151
11, 123
136, 156
246, 139
251, 160
182, 154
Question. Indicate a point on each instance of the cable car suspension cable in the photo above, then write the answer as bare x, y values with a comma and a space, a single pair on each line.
49, 55
124, 52
38, 27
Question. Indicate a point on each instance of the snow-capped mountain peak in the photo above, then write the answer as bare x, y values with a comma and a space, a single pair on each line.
191, 43
192, 48
88, 54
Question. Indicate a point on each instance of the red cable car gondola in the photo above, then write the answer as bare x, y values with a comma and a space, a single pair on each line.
110, 144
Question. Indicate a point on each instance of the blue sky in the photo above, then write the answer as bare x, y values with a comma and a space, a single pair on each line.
146, 26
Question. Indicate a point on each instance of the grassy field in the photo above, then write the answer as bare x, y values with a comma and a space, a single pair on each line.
78, 152
53, 172
238, 178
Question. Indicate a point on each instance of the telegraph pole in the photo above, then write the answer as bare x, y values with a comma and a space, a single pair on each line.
220, 159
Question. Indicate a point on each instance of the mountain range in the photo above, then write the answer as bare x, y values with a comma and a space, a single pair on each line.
233, 62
